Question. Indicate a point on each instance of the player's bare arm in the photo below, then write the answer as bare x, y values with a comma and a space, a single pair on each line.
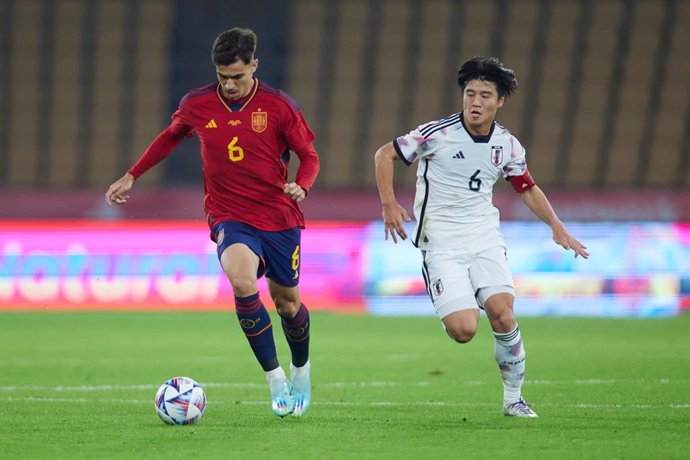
117, 192
393, 213
536, 201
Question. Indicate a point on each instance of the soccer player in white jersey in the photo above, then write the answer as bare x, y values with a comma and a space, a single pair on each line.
460, 158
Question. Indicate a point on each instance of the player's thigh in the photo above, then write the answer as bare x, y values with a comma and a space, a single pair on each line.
239, 260
493, 282
446, 275
282, 255
490, 274
239, 250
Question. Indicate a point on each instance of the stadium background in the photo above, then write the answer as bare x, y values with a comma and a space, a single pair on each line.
603, 110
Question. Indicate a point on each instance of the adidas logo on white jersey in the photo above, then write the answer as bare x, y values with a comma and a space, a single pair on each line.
459, 155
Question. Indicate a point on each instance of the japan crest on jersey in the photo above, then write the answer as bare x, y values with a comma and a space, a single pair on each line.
259, 121
438, 288
496, 154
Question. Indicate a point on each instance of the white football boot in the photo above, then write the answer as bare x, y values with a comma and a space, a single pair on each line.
301, 388
281, 400
519, 409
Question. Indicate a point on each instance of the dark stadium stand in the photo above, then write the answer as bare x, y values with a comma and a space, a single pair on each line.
23, 103
552, 103
86, 89
587, 70
64, 104
604, 98
666, 153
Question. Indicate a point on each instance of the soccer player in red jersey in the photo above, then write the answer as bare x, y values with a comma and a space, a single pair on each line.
246, 130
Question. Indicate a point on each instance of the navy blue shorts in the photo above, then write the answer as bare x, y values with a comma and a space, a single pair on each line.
278, 252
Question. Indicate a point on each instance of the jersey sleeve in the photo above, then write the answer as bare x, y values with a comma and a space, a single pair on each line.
414, 145
163, 144
299, 138
517, 165
297, 133
308, 167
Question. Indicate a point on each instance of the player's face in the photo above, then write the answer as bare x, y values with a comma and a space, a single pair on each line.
236, 79
480, 102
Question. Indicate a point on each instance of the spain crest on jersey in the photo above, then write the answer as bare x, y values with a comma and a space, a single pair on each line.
259, 121
497, 154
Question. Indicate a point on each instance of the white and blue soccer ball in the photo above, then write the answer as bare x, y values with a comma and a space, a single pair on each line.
180, 401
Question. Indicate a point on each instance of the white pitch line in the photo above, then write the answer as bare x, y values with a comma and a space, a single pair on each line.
351, 403
362, 384
91, 388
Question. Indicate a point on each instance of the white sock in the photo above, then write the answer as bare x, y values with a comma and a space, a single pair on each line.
510, 356
277, 373
300, 370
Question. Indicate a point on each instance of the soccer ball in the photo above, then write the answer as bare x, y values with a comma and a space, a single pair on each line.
180, 401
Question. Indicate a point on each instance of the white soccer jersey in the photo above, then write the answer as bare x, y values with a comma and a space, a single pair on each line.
455, 179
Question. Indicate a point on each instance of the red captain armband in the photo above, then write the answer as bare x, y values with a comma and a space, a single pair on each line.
522, 183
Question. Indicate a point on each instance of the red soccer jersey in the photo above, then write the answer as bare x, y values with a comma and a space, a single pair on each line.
245, 153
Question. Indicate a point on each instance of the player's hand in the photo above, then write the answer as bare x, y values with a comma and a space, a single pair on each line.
117, 192
393, 217
294, 191
563, 238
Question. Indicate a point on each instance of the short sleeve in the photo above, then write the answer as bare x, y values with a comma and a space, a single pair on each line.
517, 165
414, 145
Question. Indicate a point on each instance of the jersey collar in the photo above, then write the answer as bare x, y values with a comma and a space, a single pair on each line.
478, 139
244, 101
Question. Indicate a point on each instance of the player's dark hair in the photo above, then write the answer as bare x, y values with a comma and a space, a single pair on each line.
490, 70
233, 45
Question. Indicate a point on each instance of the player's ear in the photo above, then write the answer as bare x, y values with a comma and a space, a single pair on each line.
501, 101
255, 65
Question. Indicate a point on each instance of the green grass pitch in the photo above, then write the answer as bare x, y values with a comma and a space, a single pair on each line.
81, 385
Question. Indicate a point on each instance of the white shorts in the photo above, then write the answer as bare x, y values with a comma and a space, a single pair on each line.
458, 279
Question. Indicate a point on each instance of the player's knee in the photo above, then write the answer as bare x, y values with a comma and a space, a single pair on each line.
286, 307
502, 320
461, 326
461, 333
242, 285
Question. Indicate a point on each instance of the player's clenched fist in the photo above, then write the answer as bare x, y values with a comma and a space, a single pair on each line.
294, 191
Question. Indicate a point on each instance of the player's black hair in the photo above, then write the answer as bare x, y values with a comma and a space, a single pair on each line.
491, 70
233, 45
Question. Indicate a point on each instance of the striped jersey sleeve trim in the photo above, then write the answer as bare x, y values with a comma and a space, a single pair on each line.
446, 122
431, 124
398, 150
